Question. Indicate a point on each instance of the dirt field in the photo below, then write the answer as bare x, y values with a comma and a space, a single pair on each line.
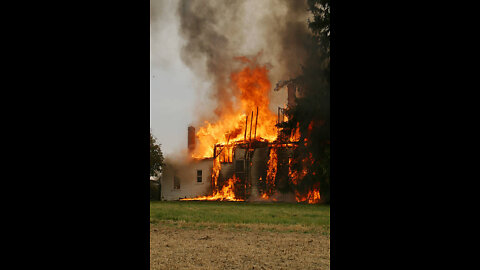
177, 245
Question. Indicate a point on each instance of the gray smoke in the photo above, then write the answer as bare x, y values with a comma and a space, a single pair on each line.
215, 32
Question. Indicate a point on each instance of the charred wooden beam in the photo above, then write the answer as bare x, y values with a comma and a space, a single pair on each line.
246, 126
278, 115
256, 119
251, 120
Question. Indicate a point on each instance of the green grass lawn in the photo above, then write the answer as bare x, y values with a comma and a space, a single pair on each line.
278, 215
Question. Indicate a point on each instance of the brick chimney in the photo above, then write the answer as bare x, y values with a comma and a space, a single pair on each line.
191, 139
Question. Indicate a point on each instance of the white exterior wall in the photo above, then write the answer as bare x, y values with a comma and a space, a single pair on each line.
187, 174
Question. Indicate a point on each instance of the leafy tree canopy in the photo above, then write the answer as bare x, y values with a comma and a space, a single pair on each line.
156, 157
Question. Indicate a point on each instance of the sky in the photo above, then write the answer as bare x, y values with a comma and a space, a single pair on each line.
172, 84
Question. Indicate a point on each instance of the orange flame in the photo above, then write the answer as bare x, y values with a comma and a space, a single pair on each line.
295, 134
226, 154
312, 197
251, 88
271, 172
225, 194
215, 170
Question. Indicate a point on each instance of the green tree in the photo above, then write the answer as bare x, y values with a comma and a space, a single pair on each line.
311, 115
156, 157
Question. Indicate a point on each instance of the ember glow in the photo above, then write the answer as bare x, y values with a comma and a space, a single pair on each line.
313, 196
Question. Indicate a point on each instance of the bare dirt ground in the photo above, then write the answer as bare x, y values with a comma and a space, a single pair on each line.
248, 247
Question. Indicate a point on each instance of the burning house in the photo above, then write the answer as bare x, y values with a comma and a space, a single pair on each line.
241, 157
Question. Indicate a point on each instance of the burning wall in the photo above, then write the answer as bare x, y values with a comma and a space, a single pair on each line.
255, 172
249, 159
250, 172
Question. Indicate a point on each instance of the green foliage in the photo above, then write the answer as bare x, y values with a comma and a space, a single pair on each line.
156, 157
320, 25
311, 115
155, 190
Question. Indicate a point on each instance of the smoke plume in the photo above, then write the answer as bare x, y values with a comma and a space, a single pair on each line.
217, 32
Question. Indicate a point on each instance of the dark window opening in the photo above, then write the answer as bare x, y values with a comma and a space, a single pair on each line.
199, 176
176, 183
240, 169
240, 166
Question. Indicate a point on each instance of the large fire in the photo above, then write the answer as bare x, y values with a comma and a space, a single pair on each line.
250, 120
251, 88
